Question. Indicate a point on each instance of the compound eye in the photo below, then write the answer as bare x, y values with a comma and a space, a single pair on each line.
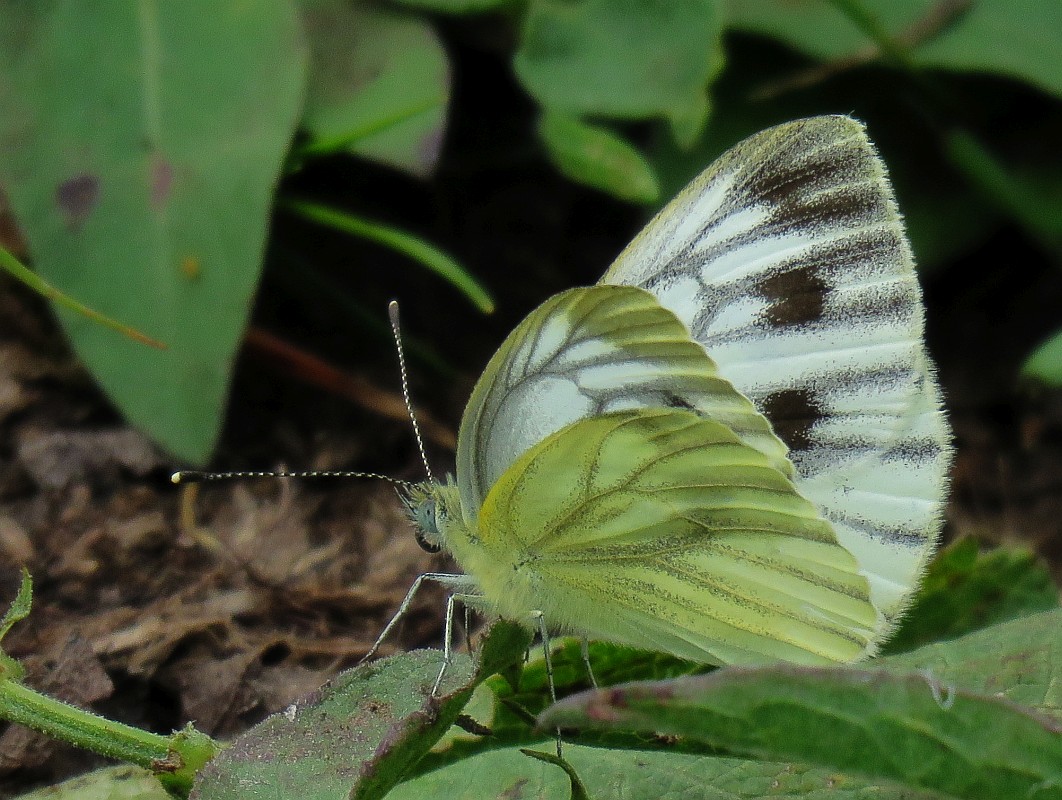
427, 524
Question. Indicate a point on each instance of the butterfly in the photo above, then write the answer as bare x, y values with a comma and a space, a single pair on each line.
732, 448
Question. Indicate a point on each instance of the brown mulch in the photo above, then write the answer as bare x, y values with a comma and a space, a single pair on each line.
156, 604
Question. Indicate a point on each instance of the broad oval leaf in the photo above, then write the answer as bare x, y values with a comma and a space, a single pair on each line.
943, 725
626, 60
143, 180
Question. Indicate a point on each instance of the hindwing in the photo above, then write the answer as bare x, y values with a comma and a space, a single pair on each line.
663, 530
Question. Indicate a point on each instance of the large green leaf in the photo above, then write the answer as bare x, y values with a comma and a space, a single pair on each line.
1018, 38
379, 84
141, 146
640, 775
1009, 673
358, 735
632, 59
978, 717
321, 747
965, 590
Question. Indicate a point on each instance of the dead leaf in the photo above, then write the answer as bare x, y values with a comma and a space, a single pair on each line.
57, 459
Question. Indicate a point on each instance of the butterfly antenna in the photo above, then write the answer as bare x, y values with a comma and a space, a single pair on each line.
197, 476
392, 313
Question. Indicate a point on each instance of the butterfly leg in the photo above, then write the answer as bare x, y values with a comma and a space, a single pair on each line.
584, 651
450, 580
468, 627
547, 647
466, 600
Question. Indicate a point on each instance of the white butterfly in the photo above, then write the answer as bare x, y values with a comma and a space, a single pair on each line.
732, 448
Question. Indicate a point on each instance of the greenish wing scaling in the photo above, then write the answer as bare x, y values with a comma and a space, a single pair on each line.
661, 529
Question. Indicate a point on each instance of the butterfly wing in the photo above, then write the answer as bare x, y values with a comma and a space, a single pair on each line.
662, 529
586, 352
788, 262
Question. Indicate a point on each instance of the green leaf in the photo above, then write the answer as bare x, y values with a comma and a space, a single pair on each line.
359, 734
965, 590
641, 775
1018, 38
20, 606
597, 157
629, 59
933, 727
1017, 660
454, 6
23, 274
578, 790
110, 783
1044, 364
142, 145
341, 735
379, 85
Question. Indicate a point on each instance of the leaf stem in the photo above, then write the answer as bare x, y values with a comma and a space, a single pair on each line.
174, 759
871, 27
417, 249
16, 269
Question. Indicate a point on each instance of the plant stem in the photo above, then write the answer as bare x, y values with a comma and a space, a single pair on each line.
407, 244
174, 759
34, 281
871, 27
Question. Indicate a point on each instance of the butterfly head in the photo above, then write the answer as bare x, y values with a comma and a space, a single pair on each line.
430, 506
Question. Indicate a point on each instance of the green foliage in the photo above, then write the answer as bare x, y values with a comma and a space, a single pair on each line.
974, 717
628, 60
146, 196
359, 734
965, 590
964, 690
1018, 38
918, 727
1044, 364
432, 258
379, 85
112, 783
932, 718
143, 148
598, 157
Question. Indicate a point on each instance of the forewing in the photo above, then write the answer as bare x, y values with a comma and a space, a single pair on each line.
661, 529
788, 261
586, 352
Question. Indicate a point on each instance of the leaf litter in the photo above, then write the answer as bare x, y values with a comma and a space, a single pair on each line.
156, 608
